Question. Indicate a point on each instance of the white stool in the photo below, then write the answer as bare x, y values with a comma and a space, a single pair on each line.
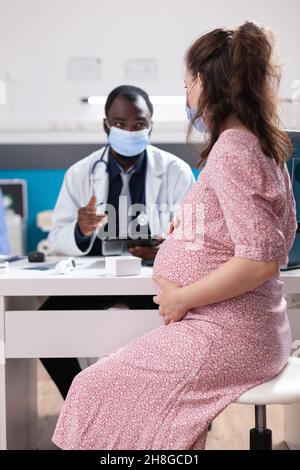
283, 389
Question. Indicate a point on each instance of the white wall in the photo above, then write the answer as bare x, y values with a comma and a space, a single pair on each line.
37, 37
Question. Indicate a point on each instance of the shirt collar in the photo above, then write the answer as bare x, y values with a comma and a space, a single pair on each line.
115, 169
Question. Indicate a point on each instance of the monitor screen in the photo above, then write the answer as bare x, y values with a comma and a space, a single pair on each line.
16, 191
294, 169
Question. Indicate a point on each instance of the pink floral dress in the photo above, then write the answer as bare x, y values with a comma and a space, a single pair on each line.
163, 389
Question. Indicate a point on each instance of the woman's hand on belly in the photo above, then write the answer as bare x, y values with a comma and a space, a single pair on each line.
171, 305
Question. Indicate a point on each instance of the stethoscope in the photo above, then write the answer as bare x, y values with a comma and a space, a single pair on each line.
92, 172
142, 218
96, 163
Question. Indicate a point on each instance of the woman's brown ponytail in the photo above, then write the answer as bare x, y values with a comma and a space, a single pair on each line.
239, 77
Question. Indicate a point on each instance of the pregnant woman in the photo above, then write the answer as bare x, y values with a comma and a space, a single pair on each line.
219, 292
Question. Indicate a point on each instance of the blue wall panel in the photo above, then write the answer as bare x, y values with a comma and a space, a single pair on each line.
43, 187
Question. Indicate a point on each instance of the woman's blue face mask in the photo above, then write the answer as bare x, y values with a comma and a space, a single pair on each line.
191, 113
128, 143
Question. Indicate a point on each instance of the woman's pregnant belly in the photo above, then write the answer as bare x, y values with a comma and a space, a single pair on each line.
184, 262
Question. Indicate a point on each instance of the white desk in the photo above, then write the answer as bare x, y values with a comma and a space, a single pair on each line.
26, 333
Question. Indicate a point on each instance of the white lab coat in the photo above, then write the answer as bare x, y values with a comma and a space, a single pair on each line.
168, 180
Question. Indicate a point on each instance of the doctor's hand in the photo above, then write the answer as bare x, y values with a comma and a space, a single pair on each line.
87, 218
170, 300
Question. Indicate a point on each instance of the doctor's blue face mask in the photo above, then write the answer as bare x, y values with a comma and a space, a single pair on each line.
191, 113
128, 143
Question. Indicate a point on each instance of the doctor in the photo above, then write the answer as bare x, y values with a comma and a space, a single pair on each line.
129, 168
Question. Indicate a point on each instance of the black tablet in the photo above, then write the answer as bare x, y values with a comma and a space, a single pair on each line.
117, 246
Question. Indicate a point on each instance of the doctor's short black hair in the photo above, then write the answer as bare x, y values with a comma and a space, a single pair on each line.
131, 93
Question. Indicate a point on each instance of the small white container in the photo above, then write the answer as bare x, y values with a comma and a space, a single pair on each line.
65, 266
123, 265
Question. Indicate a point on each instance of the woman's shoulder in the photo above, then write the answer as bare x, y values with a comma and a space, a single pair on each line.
238, 156
238, 136
236, 148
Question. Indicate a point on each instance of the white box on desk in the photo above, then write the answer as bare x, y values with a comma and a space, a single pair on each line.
123, 265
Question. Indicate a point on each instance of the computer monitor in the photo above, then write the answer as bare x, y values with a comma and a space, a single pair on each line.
294, 169
16, 190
